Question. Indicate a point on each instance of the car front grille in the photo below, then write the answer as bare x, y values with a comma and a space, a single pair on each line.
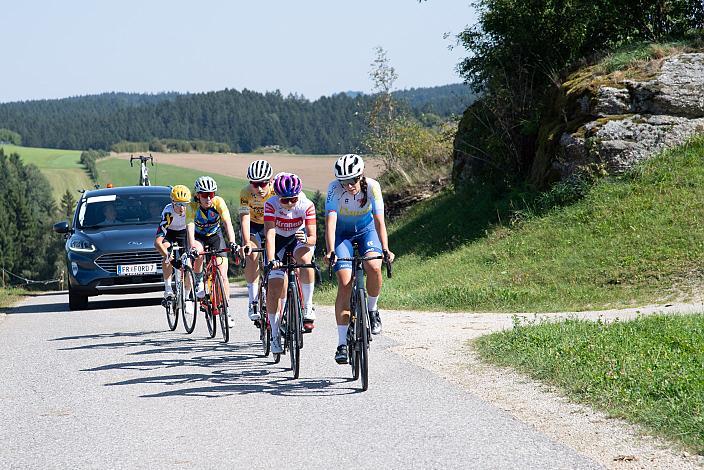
110, 261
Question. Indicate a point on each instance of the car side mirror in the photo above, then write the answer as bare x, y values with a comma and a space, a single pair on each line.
61, 227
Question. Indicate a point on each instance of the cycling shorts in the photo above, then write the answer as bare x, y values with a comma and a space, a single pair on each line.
368, 242
256, 232
281, 244
214, 242
176, 236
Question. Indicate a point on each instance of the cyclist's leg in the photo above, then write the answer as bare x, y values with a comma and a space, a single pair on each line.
276, 295
303, 254
343, 270
370, 241
166, 268
251, 275
198, 268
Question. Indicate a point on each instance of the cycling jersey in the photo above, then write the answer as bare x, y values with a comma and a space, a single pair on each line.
288, 221
170, 221
351, 217
253, 204
207, 221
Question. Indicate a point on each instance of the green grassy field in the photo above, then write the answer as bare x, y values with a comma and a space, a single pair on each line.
61, 167
649, 370
631, 240
119, 173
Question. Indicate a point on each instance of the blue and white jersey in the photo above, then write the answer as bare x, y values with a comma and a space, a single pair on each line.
351, 216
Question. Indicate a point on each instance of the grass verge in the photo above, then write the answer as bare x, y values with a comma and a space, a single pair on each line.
630, 240
649, 371
10, 295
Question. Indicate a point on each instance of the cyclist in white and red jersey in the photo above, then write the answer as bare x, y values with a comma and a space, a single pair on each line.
289, 222
354, 212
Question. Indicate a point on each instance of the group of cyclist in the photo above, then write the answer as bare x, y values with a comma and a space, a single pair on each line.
275, 213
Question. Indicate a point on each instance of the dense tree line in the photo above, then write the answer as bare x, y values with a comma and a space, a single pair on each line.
27, 211
89, 158
244, 120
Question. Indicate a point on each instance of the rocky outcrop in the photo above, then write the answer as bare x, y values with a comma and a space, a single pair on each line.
620, 124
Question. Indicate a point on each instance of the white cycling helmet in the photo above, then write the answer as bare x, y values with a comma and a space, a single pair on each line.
205, 184
349, 166
259, 170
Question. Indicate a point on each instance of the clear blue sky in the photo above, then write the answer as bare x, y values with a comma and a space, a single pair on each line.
60, 48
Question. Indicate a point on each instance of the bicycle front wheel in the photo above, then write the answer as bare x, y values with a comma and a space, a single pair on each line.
264, 327
189, 300
220, 306
172, 310
294, 329
363, 339
207, 306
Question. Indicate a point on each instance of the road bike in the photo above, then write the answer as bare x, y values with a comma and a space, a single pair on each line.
182, 287
291, 329
144, 171
358, 334
215, 302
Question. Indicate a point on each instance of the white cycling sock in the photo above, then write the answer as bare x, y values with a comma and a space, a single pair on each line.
275, 323
167, 284
341, 334
371, 302
307, 290
250, 292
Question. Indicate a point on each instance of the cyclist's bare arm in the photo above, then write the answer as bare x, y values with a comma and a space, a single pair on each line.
270, 231
330, 226
380, 225
245, 225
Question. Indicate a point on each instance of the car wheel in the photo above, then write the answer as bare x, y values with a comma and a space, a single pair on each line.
76, 301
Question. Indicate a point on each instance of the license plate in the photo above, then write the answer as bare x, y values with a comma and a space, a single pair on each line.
136, 269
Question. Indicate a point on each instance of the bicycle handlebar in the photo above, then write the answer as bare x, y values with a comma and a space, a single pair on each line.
384, 257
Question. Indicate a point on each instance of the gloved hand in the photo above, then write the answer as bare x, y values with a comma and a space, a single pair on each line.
234, 247
193, 253
274, 264
301, 237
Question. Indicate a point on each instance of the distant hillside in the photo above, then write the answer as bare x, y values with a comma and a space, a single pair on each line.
243, 119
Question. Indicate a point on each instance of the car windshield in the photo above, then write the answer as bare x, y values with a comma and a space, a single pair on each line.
123, 209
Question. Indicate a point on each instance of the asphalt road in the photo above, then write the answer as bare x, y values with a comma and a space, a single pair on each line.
111, 387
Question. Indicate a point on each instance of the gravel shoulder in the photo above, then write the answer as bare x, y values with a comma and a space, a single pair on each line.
440, 342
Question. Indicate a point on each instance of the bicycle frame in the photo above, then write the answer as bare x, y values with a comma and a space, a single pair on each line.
212, 301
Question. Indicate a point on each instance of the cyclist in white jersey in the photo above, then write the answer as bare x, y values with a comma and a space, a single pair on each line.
354, 212
172, 229
289, 222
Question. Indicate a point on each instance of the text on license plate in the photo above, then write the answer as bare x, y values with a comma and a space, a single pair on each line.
135, 269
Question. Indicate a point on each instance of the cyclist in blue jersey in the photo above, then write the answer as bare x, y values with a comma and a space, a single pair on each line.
354, 211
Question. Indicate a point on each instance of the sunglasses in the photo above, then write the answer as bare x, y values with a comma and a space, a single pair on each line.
350, 181
179, 204
206, 195
259, 184
289, 200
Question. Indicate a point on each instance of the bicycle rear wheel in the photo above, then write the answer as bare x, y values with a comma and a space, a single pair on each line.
220, 306
294, 329
172, 311
189, 308
363, 338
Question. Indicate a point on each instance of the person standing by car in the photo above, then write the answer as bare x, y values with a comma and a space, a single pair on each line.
354, 211
289, 222
172, 229
204, 220
252, 199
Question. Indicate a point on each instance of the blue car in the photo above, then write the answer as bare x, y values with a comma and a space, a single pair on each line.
110, 244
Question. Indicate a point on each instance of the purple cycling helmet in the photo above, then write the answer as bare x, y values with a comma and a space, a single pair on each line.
287, 185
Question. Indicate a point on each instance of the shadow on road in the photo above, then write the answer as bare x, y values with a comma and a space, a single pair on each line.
61, 305
211, 369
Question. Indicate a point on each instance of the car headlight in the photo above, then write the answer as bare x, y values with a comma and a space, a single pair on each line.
81, 245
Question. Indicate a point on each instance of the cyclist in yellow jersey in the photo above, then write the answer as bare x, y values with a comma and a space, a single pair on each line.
204, 218
252, 199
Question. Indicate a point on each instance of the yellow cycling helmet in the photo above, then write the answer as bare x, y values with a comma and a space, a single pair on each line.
180, 193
